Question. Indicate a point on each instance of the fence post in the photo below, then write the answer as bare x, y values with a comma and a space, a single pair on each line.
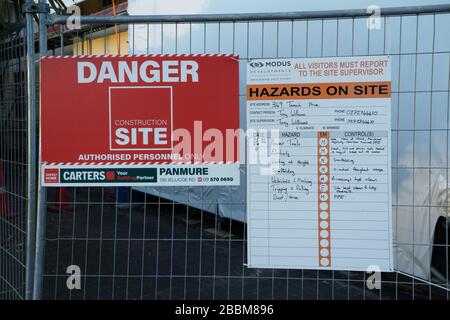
31, 153
41, 195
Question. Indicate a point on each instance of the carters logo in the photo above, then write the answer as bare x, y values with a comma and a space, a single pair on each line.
82, 175
272, 63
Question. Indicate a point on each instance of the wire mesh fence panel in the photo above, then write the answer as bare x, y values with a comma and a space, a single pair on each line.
13, 166
190, 242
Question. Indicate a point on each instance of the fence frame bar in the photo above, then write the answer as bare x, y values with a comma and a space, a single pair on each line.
299, 15
31, 154
41, 191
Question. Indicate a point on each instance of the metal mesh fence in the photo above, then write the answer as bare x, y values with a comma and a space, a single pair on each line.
180, 243
13, 166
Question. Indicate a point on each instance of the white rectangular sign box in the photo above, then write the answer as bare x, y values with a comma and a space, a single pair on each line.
319, 181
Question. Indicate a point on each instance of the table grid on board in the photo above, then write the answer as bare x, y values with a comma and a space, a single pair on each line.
293, 221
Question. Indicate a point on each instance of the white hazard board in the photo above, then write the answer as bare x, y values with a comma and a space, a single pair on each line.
319, 184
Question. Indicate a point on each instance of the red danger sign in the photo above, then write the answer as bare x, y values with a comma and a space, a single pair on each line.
108, 112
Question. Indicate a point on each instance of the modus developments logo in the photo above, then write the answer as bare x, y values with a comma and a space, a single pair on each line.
270, 64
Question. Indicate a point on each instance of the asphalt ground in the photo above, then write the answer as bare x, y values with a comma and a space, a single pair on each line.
158, 249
